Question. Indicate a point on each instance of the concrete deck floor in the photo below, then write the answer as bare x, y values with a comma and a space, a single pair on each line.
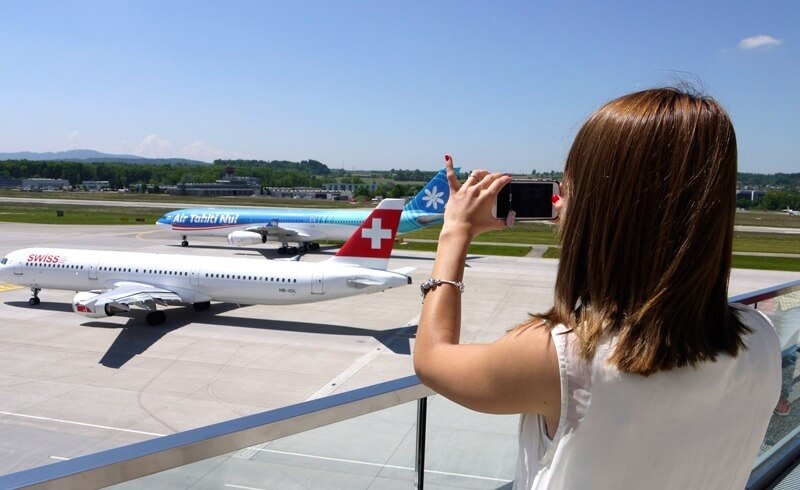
71, 386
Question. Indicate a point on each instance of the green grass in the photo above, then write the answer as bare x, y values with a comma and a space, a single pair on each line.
78, 215
767, 218
739, 261
180, 201
524, 233
552, 253
541, 234
509, 251
766, 242
766, 263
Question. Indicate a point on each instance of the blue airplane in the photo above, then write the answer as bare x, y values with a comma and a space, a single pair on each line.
304, 226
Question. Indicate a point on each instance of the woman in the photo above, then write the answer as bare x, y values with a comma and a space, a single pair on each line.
641, 375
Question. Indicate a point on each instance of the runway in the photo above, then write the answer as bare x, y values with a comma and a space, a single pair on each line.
222, 204
70, 385
123, 204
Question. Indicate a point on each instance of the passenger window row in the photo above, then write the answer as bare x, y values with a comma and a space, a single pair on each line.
55, 266
169, 273
250, 278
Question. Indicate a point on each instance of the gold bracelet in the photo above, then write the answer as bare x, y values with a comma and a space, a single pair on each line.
432, 283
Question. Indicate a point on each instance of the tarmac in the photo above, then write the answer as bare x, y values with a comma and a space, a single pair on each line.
71, 385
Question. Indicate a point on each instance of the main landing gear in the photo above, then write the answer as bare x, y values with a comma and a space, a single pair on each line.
284, 250
35, 299
203, 306
303, 248
154, 318
184, 241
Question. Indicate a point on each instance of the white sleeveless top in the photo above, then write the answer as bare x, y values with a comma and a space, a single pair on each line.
685, 428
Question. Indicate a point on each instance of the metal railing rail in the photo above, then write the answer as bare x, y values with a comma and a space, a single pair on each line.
152, 456
144, 458
754, 297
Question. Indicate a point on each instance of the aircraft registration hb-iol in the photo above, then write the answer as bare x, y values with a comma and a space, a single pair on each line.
302, 226
112, 282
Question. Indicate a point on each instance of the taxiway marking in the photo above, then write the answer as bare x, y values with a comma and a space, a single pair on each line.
339, 460
72, 422
8, 287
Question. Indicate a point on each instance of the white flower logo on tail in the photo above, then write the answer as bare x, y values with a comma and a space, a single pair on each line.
433, 198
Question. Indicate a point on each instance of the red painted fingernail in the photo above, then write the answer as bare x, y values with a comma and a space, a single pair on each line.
555, 198
447, 157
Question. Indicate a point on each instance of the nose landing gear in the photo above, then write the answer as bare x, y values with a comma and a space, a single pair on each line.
35, 299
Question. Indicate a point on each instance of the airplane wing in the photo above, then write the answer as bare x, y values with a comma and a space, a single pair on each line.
126, 294
278, 230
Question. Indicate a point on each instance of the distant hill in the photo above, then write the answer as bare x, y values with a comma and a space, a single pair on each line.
93, 156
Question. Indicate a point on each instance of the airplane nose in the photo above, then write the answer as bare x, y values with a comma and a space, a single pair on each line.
165, 221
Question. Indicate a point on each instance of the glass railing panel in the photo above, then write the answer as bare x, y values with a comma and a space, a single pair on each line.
784, 312
371, 451
467, 449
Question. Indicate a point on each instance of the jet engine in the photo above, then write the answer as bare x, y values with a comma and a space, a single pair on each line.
86, 304
242, 238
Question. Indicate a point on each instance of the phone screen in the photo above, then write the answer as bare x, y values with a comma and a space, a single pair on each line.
528, 199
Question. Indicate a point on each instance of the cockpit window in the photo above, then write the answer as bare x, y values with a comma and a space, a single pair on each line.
3, 261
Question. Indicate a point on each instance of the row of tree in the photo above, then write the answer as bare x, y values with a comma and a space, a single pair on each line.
773, 200
768, 181
123, 175
312, 167
307, 173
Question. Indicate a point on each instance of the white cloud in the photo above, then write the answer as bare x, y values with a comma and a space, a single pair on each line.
154, 147
73, 140
759, 41
200, 150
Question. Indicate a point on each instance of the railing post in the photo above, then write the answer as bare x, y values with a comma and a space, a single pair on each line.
419, 465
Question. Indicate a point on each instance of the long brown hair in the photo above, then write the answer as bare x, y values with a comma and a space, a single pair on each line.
647, 235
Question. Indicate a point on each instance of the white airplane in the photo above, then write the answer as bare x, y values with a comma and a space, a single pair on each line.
113, 282
791, 211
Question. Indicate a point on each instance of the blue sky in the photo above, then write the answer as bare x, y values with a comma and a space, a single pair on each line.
378, 85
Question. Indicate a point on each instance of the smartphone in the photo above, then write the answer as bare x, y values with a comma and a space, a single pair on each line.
529, 200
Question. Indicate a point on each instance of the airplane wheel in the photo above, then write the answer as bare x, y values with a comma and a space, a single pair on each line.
292, 250
303, 248
184, 243
34, 301
313, 246
283, 250
203, 306
156, 318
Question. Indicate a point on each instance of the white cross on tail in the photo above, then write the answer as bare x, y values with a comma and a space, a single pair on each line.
376, 233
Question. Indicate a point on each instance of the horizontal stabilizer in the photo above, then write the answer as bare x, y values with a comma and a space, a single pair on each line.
404, 270
363, 282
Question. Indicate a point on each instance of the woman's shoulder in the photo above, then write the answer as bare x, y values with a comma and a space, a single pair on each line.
761, 328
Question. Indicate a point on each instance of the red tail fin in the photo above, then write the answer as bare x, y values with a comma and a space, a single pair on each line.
371, 244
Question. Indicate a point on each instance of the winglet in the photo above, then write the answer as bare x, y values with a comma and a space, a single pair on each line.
371, 244
432, 197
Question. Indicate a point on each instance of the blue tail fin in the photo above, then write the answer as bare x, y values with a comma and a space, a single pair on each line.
432, 197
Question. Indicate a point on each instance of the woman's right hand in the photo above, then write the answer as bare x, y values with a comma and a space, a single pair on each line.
469, 208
